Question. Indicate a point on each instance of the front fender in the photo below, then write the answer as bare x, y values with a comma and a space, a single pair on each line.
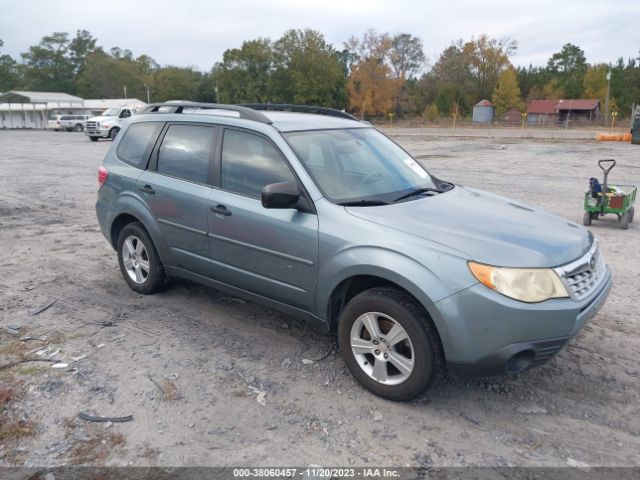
427, 284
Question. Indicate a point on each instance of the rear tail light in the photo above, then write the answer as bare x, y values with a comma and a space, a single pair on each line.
103, 173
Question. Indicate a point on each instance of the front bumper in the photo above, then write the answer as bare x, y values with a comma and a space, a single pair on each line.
486, 334
97, 133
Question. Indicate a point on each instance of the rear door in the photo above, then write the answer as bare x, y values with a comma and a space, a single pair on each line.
175, 187
270, 252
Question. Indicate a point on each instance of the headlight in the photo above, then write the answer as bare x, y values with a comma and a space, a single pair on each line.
524, 284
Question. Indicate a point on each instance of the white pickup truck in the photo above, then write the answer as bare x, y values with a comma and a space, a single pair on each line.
108, 123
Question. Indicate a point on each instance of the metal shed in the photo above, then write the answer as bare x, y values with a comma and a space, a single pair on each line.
483, 112
19, 109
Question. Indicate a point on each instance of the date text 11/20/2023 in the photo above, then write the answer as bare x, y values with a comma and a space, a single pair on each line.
315, 472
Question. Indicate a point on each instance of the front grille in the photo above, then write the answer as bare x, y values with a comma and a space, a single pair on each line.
92, 125
583, 276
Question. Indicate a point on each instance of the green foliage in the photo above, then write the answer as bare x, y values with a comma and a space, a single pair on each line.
569, 66
176, 83
431, 113
9, 72
595, 82
105, 76
374, 74
506, 96
308, 70
48, 66
244, 74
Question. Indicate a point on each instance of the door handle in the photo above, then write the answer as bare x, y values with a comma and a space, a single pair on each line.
220, 210
148, 189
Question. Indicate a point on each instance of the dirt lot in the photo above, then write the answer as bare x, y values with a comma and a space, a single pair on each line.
213, 380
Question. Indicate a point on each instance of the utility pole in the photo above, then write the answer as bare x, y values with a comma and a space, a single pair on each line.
148, 97
606, 98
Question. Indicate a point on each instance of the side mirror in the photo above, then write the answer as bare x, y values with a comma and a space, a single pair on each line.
280, 195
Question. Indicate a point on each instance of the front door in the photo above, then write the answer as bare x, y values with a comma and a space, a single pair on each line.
271, 252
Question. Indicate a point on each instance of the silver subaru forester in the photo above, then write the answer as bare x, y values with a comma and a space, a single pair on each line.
316, 214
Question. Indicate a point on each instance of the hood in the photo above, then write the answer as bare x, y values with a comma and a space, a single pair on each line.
100, 118
488, 228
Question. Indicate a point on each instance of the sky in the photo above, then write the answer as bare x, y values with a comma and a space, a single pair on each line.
197, 32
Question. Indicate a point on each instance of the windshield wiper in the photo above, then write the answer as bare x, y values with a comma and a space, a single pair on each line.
363, 203
418, 191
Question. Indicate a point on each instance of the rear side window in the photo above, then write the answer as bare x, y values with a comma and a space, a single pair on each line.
137, 143
249, 162
185, 152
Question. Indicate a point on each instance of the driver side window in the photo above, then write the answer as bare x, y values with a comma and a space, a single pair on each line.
250, 162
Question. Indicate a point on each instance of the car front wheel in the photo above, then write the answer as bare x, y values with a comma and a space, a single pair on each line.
389, 344
139, 261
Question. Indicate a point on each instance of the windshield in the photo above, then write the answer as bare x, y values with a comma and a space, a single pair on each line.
358, 164
110, 112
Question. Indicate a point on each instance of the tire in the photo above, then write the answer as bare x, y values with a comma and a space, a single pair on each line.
631, 213
113, 133
624, 221
93, 139
586, 218
78, 128
139, 261
420, 350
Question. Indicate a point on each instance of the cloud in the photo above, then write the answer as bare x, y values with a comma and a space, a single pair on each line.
197, 32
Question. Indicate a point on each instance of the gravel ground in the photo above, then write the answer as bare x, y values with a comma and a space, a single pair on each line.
214, 380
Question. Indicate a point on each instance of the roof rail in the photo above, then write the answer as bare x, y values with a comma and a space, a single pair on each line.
287, 107
179, 106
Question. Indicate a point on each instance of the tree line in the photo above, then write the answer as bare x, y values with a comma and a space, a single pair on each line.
372, 75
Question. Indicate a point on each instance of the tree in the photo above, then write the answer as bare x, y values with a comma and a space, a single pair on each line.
488, 58
552, 90
406, 58
371, 88
595, 82
48, 66
105, 76
451, 82
506, 96
307, 70
431, 113
245, 73
9, 72
79, 48
569, 66
176, 83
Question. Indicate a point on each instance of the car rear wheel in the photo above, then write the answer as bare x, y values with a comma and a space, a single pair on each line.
139, 261
78, 128
389, 344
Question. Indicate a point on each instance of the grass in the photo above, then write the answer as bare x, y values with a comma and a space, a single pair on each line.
14, 348
97, 448
31, 371
170, 390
